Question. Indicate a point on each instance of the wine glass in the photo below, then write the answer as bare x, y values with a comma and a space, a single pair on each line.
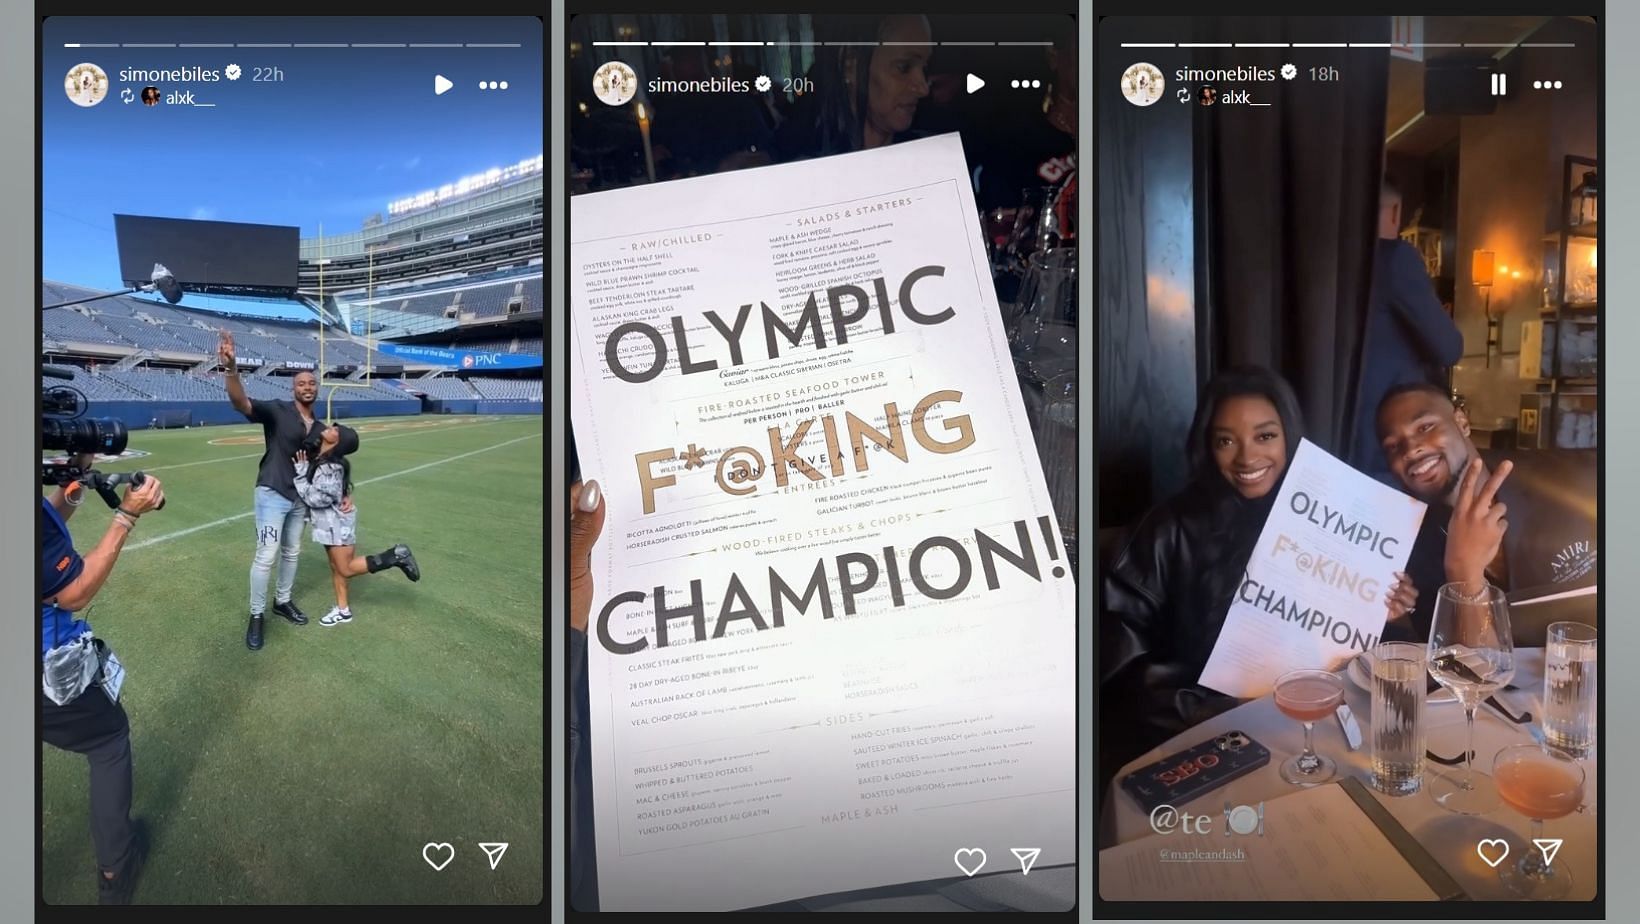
1540, 783
1471, 653
1024, 239
1308, 695
1042, 332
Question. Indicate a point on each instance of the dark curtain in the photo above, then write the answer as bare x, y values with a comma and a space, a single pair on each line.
1289, 208
1146, 225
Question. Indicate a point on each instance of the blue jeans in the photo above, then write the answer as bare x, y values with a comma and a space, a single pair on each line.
278, 533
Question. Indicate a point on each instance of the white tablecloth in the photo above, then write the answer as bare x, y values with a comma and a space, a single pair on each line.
1450, 838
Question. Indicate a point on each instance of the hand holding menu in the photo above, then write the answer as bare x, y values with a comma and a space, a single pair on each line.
833, 637
1313, 594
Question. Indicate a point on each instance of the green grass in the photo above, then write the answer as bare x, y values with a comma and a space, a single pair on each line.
313, 771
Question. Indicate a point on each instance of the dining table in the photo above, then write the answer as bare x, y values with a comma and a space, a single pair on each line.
1451, 840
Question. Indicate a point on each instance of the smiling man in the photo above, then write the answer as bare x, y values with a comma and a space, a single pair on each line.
1530, 519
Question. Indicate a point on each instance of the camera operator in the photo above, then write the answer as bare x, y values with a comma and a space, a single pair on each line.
80, 678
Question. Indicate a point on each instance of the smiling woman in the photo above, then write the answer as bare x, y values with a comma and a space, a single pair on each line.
1247, 444
1167, 591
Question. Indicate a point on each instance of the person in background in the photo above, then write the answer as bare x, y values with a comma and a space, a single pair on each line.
864, 96
1038, 150
1410, 338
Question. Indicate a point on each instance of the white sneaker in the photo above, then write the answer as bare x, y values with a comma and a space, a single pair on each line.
335, 617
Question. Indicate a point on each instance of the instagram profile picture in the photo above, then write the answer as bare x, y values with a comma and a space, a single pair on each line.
1142, 84
150, 96
86, 84
615, 83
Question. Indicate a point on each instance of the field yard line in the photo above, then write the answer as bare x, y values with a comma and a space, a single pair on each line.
375, 439
166, 537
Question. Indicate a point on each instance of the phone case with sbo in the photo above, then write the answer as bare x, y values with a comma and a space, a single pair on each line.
1186, 775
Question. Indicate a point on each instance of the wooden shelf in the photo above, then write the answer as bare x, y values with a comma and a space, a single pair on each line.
1586, 233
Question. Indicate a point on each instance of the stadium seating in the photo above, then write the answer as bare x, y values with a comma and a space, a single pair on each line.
444, 388
484, 300
260, 387
94, 387
168, 386
197, 341
145, 335
127, 323
67, 324
508, 389
159, 385
531, 346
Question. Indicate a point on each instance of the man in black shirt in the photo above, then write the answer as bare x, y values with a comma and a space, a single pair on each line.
1550, 536
279, 509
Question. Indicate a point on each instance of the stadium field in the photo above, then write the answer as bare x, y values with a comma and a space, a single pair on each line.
315, 770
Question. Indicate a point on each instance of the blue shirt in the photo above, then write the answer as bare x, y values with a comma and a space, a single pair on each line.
1409, 337
59, 566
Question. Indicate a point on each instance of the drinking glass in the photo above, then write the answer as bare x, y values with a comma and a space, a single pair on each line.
1570, 678
1399, 688
1025, 238
1309, 695
1042, 335
1055, 429
1471, 653
1540, 783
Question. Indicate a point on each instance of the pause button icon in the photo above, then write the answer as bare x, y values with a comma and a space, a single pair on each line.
1500, 84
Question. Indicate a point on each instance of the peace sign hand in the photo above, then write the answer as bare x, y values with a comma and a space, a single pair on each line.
1475, 533
225, 352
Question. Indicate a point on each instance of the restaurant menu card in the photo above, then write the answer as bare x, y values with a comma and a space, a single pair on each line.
833, 636
1313, 592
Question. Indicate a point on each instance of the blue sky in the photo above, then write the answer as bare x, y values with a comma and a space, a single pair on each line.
346, 130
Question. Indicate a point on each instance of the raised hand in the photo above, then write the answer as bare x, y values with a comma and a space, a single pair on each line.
225, 351
1475, 533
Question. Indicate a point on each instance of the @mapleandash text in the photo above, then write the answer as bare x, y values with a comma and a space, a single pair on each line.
1227, 855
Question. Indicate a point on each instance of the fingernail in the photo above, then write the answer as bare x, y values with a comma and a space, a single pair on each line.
591, 494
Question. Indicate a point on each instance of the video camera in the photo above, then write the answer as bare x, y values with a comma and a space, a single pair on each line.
62, 428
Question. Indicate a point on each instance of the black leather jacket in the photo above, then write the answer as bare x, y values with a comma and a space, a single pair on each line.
1164, 599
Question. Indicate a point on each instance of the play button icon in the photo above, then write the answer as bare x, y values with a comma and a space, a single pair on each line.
974, 83
441, 83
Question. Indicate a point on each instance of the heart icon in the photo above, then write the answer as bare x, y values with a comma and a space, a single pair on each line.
1493, 845
428, 852
970, 856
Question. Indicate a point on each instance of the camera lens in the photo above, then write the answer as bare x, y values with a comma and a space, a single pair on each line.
99, 435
